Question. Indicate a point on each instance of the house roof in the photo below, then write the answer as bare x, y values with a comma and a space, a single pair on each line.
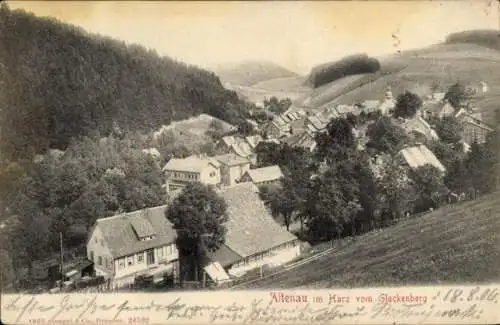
194, 164
317, 123
229, 140
371, 104
231, 159
242, 149
121, 238
250, 227
433, 106
473, 118
438, 96
419, 156
420, 125
265, 174
253, 140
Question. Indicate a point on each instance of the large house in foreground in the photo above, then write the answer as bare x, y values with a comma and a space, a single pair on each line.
143, 242
131, 244
253, 237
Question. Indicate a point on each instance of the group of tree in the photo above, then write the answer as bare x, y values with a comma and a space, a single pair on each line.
407, 105
67, 191
277, 106
457, 95
64, 82
335, 192
350, 65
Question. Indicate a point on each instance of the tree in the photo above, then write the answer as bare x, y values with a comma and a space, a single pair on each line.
447, 153
282, 202
245, 128
198, 216
407, 105
385, 136
430, 187
449, 129
457, 177
397, 191
481, 164
330, 212
337, 142
277, 106
457, 95
215, 129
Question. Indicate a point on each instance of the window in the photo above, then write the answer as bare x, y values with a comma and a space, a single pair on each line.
169, 249
121, 263
99, 260
130, 260
212, 174
95, 239
91, 256
140, 257
160, 252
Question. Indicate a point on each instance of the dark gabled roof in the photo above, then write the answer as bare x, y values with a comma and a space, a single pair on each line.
121, 238
142, 227
251, 229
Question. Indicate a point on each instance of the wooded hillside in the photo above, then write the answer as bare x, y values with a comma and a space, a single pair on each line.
58, 81
350, 65
488, 38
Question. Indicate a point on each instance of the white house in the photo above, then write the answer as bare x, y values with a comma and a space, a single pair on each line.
131, 244
388, 104
253, 238
181, 171
232, 167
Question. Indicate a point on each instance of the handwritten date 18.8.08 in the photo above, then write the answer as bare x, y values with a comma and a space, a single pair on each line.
138, 320
475, 294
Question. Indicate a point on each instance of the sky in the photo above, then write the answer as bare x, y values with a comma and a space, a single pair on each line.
296, 35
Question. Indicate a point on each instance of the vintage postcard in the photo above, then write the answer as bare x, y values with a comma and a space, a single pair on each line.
246, 162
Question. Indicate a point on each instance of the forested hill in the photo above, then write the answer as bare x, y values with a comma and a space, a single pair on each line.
58, 81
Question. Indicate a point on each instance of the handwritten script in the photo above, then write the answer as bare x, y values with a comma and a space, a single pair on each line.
448, 304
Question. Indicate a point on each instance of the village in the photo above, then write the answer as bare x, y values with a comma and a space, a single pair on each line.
128, 249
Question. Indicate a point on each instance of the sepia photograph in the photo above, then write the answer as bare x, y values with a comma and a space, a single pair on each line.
215, 150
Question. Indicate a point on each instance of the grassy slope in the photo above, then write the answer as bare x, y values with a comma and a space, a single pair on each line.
283, 84
455, 244
255, 94
198, 125
248, 73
